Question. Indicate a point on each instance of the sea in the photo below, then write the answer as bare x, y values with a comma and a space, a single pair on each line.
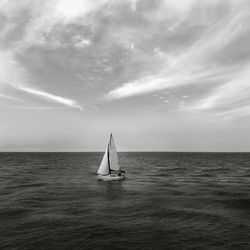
168, 201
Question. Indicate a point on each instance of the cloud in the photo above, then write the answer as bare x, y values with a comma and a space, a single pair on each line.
162, 81
145, 85
12, 90
214, 58
71, 9
80, 42
133, 5
229, 95
58, 99
10, 69
238, 112
35, 22
152, 46
9, 98
11, 82
14, 75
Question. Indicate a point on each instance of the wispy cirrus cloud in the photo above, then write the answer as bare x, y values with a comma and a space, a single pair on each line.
213, 56
192, 50
163, 81
10, 92
10, 83
48, 97
9, 98
192, 63
28, 27
14, 76
54, 98
232, 94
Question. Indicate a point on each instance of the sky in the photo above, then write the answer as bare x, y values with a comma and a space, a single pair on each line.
163, 75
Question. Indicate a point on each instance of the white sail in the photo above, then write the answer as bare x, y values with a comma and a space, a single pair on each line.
113, 157
104, 167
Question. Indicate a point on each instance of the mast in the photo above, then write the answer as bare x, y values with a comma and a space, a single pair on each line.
108, 153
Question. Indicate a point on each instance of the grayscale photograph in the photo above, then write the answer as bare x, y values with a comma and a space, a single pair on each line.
124, 124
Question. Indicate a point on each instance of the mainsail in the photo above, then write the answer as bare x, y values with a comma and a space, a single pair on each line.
110, 159
113, 157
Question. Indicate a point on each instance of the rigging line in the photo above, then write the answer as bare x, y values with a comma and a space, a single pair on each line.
108, 157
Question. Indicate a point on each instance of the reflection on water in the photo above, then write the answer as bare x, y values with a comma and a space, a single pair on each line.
168, 201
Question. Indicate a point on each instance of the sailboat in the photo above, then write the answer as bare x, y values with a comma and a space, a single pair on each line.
109, 169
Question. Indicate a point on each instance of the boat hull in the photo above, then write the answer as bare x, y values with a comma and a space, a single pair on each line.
111, 177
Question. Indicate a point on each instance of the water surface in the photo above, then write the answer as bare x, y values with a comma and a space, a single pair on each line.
169, 201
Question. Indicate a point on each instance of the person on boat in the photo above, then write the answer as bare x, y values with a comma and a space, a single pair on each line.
120, 172
117, 172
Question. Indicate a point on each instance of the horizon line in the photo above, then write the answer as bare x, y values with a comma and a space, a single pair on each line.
125, 151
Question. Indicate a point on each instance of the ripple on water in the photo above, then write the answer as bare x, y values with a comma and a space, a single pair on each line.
168, 201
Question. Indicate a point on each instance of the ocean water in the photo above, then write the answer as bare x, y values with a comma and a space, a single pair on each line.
168, 201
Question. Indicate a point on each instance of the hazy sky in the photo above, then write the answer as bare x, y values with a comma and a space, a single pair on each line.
168, 75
